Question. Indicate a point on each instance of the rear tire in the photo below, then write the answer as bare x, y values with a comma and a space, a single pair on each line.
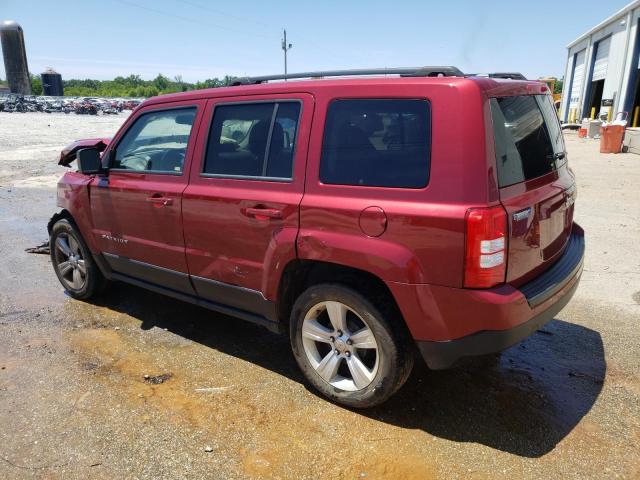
346, 347
73, 263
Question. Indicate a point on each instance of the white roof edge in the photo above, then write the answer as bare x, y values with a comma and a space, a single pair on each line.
620, 13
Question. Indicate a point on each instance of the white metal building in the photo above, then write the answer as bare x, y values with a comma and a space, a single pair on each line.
602, 69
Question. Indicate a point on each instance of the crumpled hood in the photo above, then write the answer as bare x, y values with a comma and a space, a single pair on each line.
68, 153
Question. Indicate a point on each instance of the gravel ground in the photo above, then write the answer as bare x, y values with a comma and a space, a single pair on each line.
74, 401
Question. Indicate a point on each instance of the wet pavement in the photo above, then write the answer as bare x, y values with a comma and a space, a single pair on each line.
137, 385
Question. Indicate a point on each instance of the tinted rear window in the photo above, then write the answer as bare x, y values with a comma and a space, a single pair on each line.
371, 142
528, 139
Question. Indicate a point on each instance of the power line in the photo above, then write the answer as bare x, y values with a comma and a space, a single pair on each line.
188, 19
230, 15
308, 41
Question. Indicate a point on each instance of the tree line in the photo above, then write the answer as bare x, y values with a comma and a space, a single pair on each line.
134, 86
131, 86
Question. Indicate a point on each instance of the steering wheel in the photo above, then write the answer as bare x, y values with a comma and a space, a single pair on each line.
170, 160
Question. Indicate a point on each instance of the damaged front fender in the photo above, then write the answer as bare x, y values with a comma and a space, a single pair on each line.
68, 153
57, 216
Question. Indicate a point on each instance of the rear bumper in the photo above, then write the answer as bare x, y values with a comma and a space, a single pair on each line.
441, 355
459, 323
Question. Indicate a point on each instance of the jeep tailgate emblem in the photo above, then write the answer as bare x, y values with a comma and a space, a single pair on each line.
522, 214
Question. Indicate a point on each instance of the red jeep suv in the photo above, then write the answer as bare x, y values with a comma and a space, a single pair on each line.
365, 215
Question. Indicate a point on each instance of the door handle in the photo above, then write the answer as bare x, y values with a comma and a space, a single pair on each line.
263, 213
160, 200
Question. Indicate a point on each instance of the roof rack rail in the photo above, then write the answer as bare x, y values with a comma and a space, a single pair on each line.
447, 71
506, 75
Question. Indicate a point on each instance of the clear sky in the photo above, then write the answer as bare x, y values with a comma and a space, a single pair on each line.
201, 39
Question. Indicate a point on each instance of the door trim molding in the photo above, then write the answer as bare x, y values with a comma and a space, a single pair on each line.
233, 300
165, 277
234, 296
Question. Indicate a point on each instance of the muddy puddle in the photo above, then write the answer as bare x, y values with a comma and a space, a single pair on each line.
275, 436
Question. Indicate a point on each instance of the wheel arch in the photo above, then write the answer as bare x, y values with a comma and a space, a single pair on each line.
298, 275
62, 214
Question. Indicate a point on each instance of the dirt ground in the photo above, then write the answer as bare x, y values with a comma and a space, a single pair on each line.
74, 401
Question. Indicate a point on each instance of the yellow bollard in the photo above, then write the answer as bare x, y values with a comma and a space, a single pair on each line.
636, 111
610, 113
593, 113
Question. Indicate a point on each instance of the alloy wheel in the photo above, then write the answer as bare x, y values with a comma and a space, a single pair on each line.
69, 261
340, 346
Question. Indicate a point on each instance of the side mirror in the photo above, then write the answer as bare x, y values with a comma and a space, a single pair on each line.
88, 161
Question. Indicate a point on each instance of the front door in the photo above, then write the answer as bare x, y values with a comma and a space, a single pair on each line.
137, 208
241, 206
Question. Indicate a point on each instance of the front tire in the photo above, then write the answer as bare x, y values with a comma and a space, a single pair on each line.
346, 347
73, 263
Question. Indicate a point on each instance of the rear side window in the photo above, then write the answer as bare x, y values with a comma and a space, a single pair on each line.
377, 143
528, 139
253, 140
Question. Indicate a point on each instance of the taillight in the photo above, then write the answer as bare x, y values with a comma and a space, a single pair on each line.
486, 247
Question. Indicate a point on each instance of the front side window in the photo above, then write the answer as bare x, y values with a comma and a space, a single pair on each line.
528, 138
253, 140
377, 142
156, 142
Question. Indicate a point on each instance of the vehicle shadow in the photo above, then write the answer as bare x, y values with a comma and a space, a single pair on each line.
524, 401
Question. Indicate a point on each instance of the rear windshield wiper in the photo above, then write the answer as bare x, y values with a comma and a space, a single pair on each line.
556, 156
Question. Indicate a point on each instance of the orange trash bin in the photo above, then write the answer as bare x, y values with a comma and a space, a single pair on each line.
611, 138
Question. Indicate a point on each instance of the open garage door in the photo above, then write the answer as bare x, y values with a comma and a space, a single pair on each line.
576, 86
600, 64
602, 60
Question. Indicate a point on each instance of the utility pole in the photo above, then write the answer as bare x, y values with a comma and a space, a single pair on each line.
285, 47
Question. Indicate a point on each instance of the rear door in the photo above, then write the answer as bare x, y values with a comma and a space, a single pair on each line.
137, 208
537, 188
241, 206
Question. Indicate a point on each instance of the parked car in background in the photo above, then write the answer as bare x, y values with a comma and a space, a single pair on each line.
81, 105
368, 217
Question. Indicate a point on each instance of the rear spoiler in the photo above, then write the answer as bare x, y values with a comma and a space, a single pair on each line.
68, 153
